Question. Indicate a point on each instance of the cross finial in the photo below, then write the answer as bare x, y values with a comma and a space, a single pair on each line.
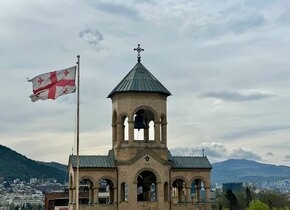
203, 152
139, 50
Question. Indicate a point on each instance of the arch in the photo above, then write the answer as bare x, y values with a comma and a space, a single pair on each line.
151, 130
106, 191
106, 177
124, 191
146, 186
201, 178
148, 169
198, 190
86, 189
179, 191
143, 115
180, 177
155, 114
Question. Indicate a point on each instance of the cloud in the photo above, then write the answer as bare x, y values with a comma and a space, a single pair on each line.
91, 37
287, 158
216, 152
269, 154
235, 96
254, 131
243, 153
117, 9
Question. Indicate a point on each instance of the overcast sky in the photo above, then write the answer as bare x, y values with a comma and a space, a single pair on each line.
226, 63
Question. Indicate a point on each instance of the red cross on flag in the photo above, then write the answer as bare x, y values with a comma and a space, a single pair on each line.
53, 84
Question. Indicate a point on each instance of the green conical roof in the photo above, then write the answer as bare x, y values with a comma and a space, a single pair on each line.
139, 79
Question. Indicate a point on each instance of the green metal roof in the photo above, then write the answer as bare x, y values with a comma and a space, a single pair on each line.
190, 162
94, 161
139, 79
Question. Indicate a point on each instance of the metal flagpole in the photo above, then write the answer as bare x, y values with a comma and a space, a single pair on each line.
78, 133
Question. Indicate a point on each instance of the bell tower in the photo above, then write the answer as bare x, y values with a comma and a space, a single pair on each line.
139, 115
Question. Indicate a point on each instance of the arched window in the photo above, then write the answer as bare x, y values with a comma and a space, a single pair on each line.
151, 130
198, 191
126, 129
86, 190
124, 191
106, 191
142, 118
179, 191
146, 186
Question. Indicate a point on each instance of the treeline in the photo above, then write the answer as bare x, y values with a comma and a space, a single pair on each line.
249, 200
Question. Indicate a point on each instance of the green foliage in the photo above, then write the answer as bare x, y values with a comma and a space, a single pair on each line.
274, 199
258, 205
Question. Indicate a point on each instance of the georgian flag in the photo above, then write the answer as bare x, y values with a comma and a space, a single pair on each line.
53, 84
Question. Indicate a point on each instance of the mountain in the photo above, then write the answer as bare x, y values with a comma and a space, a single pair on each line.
234, 170
16, 166
56, 165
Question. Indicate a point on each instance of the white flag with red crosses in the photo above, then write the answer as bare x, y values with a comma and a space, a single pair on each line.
53, 84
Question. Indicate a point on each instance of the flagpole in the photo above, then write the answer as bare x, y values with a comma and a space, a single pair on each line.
78, 133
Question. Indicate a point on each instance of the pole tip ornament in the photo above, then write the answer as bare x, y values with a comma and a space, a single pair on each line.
139, 50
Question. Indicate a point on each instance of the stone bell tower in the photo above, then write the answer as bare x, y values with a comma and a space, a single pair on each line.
139, 117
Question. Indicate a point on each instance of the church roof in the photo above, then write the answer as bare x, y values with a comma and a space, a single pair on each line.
139, 79
94, 161
188, 162
107, 161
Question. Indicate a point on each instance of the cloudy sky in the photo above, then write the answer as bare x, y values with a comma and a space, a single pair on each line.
226, 63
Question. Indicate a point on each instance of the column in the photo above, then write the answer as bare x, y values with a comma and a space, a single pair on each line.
157, 132
131, 131
96, 195
114, 133
115, 195
188, 192
164, 133
207, 194
146, 134
120, 132
91, 194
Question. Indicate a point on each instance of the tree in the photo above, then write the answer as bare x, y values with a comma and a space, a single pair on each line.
233, 201
248, 196
257, 205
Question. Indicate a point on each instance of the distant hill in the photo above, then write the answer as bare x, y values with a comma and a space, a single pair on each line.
56, 165
234, 170
16, 166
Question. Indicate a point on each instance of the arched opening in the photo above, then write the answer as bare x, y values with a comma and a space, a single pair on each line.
179, 191
106, 191
146, 186
151, 131
86, 191
142, 118
166, 191
198, 191
126, 129
124, 191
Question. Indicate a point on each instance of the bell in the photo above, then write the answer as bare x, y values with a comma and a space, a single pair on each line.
139, 122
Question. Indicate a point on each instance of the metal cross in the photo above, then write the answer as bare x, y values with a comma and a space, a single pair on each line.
139, 50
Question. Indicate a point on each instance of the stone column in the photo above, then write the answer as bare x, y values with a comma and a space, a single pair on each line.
157, 132
131, 131
96, 195
91, 194
164, 133
146, 134
114, 133
115, 195
120, 132
188, 192
207, 194
197, 191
